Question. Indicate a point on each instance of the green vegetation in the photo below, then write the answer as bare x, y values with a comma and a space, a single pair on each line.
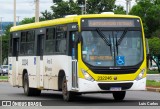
154, 45
153, 83
148, 10
3, 77
5, 42
61, 8
152, 72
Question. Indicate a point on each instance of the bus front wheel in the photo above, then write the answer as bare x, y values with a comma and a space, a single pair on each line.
27, 90
67, 95
119, 95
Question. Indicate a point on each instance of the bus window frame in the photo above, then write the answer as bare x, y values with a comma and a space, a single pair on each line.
117, 68
66, 36
45, 39
26, 42
10, 50
72, 27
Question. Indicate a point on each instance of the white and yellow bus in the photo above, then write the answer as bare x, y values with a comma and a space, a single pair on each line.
97, 53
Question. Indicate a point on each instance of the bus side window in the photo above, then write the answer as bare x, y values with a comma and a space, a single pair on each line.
61, 44
73, 48
27, 43
50, 41
22, 44
30, 42
15, 46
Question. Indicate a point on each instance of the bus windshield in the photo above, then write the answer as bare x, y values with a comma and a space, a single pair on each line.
112, 48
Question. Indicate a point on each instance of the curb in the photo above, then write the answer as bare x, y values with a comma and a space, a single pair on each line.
152, 89
152, 74
1, 80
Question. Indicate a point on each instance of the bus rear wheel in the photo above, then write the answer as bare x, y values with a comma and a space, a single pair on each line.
119, 95
27, 90
67, 95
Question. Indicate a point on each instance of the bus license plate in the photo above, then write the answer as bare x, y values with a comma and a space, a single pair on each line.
115, 89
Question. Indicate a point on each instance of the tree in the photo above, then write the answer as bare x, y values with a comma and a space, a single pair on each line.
154, 46
56, 1
119, 10
5, 42
156, 33
148, 10
98, 6
80, 2
62, 8
65, 8
46, 15
27, 20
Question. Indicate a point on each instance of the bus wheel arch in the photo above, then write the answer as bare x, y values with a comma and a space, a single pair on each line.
61, 74
27, 90
24, 72
67, 95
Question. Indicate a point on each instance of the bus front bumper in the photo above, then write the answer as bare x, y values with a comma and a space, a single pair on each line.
94, 86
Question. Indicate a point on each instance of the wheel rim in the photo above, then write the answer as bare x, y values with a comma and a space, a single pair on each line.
64, 88
25, 85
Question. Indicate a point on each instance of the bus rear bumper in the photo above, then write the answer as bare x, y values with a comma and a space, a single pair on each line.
94, 86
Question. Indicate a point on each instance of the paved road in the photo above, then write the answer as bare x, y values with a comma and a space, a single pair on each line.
153, 77
94, 101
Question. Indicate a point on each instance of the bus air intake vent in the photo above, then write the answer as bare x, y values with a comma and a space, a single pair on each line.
107, 86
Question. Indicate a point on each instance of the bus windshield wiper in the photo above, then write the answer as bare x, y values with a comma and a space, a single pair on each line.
122, 37
103, 37
117, 45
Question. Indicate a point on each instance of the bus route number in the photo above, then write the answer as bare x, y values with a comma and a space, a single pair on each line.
104, 78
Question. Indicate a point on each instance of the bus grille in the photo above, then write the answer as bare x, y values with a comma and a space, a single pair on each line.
107, 86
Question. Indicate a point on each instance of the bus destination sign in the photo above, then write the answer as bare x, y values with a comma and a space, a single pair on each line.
111, 23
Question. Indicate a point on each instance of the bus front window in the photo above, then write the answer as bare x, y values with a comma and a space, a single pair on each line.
98, 50
95, 51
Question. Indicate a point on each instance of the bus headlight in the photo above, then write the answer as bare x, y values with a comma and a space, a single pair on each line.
141, 75
87, 76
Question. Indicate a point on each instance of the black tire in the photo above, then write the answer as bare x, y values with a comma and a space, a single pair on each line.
78, 94
119, 95
29, 91
36, 92
67, 95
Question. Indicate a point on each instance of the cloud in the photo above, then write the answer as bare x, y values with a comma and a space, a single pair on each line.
25, 8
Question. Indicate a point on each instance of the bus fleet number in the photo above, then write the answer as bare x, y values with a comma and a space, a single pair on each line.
104, 77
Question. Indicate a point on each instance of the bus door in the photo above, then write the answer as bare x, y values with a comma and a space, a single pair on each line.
40, 47
73, 48
15, 53
74, 54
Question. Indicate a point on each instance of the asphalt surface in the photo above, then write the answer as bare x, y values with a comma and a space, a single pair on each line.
93, 101
155, 77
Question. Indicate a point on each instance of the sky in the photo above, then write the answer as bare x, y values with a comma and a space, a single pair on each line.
26, 8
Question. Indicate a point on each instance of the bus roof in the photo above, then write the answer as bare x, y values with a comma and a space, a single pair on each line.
71, 19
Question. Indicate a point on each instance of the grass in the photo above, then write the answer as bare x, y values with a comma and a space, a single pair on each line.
152, 72
153, 83
3, 77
